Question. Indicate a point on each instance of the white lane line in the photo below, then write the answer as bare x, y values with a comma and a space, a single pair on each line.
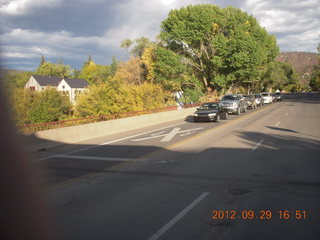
184, 133
170, 135
173, 221
277, 124
257, 145
93, 158
137, 135
106, 143
286, 114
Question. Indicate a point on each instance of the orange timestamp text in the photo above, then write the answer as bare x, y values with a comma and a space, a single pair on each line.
259, 214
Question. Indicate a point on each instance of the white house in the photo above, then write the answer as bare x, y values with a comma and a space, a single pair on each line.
67, 86
72, 87
40, 82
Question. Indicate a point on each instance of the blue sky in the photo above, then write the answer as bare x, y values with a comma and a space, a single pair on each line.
70, 30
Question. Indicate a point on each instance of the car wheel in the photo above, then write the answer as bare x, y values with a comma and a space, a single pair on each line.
217, 119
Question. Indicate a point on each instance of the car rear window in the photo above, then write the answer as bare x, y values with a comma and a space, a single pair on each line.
209, 106
230, 97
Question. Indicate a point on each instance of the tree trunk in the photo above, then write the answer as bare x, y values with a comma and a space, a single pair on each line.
205, 82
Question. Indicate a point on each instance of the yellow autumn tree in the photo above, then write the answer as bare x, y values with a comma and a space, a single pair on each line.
131, 71
148, 59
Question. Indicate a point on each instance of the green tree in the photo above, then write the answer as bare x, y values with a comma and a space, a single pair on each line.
126, 44
94, 73
114, 66
105, 98
280, 76
52, 69
16, 80
117, 96
171, 71
22, 102
225, 47
88, 62
140, 45
315, 78
43, 60
49, 106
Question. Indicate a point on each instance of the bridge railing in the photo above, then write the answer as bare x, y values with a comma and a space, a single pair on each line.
31, 128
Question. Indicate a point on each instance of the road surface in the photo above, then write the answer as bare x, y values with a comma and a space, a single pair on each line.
253, 176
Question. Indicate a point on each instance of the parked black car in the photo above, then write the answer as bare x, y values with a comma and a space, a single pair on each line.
234, 103
212, 111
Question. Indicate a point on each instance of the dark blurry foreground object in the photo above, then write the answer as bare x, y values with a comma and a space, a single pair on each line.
23, 214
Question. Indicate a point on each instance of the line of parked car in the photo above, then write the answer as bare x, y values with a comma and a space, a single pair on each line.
233, 104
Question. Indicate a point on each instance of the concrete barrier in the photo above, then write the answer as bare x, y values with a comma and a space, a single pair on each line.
68, 135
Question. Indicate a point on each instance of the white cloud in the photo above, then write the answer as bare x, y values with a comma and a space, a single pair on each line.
19, 7
296, 23
20, 43
292, 42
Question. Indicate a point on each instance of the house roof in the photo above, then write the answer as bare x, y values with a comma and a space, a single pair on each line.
45, 80
76, 82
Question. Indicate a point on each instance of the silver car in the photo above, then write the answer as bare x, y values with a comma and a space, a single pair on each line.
234, 103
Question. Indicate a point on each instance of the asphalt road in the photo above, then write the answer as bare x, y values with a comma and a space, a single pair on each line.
253, 176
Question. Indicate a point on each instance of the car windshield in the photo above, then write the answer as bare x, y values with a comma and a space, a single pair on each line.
265, 94
229, 97
277, 93
249, 96
258, 95
208, 106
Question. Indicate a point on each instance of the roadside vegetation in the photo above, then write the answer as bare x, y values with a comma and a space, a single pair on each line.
202, 50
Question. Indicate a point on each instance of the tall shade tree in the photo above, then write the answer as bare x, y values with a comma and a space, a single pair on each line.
225, 47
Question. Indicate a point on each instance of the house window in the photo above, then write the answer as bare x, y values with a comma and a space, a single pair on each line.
63, 87
32, 88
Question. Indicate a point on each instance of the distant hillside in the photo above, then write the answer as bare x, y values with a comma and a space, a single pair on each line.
4, 72
302, 62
